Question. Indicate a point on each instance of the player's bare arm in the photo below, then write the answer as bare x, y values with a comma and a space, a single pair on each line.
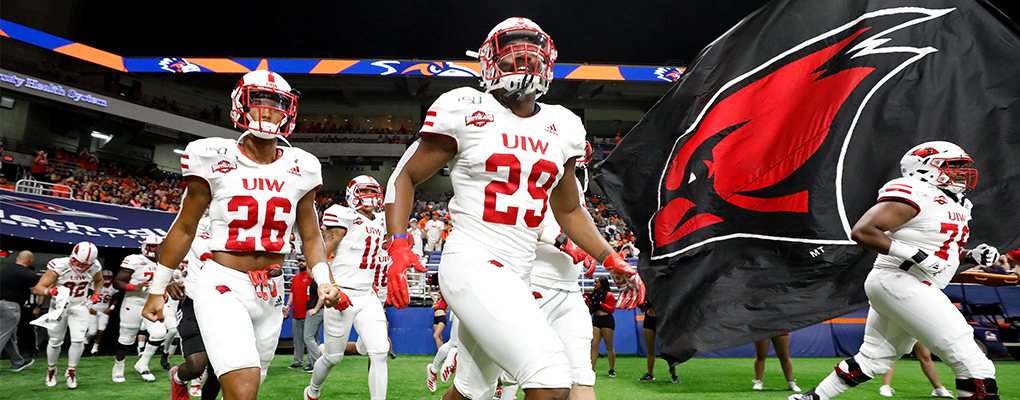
573, 219
122, 279
433, 152
45, 281
178, 239
97, 281
869, 232
315, 251
332, 237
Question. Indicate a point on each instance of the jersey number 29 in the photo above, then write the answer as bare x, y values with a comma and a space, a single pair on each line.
532, 218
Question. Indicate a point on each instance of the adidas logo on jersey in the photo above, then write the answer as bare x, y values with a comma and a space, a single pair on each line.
551, 129
479, 119
295, 171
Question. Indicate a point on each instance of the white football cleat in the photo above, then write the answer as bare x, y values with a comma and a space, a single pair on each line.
72, 379
758, 385
886, 391
308, 395
146, 374
118, 371
449, 366
195, 390
793, 386
51, 377
430, 378
942, 392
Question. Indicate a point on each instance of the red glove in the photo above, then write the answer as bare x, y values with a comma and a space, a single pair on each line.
632, 289
52, 291
402, 258
589, 264
565, 245
95, 298
344, 301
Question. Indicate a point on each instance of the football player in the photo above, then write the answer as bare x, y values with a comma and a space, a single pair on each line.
354, 235
507, 154
918, 227
100, 312
77, 273
135, 275
256, 193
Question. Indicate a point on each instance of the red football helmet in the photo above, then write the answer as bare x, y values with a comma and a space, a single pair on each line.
264, 92
83, 256
358, 196
149, 246
517, 56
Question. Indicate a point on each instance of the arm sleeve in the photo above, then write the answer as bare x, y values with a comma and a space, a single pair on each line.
609, 305
903, 191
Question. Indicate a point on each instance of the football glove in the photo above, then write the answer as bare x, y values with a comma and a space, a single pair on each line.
402, 258
931, 265
565, 245
632, 289
95, 298
344, 301
589, 265
983, 254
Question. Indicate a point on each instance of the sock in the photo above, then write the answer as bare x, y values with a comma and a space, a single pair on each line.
377, 376
170, 347
95, 347
74, 354
437, 362
150, 349
831, 387
52, 354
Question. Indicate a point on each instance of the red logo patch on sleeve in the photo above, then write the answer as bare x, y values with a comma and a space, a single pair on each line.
222, 288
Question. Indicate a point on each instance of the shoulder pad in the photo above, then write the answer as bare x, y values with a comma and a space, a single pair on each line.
906, 190
337, 216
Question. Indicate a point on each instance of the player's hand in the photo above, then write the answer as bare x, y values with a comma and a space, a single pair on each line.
565, 245
107, 311
589, 264
91, 311
52, 291
175, 290
95, 298
984, 254
153, 310
402, 258
142, 287
932, 266
344, 301
632, 289
329, 294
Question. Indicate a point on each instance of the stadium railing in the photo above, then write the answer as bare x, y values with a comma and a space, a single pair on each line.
30, 186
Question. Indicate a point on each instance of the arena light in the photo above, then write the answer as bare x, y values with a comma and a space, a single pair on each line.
100, 135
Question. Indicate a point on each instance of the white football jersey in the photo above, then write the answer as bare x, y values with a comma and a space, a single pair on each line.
198, 253
503, 171
940, 226
143, 269
554, 268
78, 282
105, 296
253, 206
359, 256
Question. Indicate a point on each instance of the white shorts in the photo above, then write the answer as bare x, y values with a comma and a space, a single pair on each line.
501, 327
568, 316
239, 329
98, 322
131, 321
366, 315
76, 320
905, 311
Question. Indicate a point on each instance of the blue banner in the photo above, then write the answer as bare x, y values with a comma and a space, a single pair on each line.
71, 221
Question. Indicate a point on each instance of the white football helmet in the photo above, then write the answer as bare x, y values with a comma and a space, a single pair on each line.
149, 245
930, 162
517, 56
83, 255
264, 92
357, 197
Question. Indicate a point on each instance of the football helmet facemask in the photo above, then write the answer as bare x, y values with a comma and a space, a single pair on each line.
263, 93
942, 164
149, 246
83, 256
517, 56
364, 191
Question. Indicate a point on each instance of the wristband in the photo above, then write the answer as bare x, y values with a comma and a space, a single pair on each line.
401, 236
549, 236
906, 252
130, 287
320, 273
160, 279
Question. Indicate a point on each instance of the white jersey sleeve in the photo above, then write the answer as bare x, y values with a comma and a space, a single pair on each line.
337, 216
904, 190
254, 206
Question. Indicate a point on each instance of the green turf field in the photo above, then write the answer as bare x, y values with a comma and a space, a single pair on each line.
700, 378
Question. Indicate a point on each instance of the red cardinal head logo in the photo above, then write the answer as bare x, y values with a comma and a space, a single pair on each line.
925, 152
222, 289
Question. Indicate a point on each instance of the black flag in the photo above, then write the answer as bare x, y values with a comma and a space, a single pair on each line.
744, 181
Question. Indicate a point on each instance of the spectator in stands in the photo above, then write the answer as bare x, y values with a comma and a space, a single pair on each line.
63, 189
16, 282
601, 303
3, 183
39, 165
415, 234
434, 232
299, 295
761, 353
927, 366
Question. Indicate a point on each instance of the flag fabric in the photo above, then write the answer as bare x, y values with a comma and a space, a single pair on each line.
743, 182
